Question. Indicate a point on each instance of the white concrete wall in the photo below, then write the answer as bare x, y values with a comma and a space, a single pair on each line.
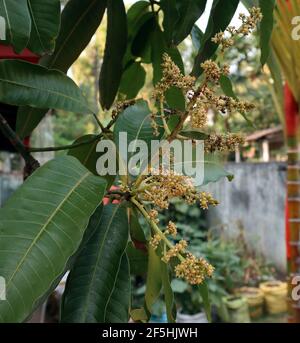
255, 199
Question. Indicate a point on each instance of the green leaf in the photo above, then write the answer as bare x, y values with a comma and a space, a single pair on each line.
213, 172
137, 231
92, 280
137, 14
133, 80
139, 315
141, 44
23, 83
134, 15
197, 36
174, 97
220, 17
117, 310
45, 18
17, 23
88, 155
168, 294
204, 292
79, 21
89, 231
154, 279
266, 27
138, 260
227, 88
159, 47
194, 134
41, 227
136, 122
115, 49
190, 11
171, 15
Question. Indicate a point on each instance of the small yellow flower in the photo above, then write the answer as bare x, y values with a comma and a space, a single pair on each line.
171, 229
173, 252
155, 240
194, 270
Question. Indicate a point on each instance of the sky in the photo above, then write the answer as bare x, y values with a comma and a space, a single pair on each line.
202, 22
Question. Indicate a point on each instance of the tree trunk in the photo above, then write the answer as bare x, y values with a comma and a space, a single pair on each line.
293, 199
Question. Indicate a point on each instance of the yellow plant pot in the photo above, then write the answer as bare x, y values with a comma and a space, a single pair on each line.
276, 293
255, 299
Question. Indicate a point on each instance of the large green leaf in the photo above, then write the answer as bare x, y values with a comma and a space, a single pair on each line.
115, 49
197, 36
168, 294
204, 292
45, 18
154, 279
92, 280
137, 14
266, 27
138, 260
23, 83
136, 122
141, 43
41, 227
174, 97
134, 15
89, 231
17, 23
134, 72
117, 310
171, 16
190, 11
220, 17
88, 155
79, 21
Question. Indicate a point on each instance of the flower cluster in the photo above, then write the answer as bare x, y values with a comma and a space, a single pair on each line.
194, 270
178, 248
208, 99
172, 77
223, 142
171, 229
160, 188
120, 106
225, 39
198, 114
156, 189
213, 72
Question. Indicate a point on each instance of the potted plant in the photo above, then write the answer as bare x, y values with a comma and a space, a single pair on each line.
189, 302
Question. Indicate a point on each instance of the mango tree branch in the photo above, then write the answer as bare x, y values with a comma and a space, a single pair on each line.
31, 164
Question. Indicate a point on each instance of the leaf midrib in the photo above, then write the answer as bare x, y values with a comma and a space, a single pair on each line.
84, 312
19, 84
35, 25
8, 20
44, 228
71, 33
